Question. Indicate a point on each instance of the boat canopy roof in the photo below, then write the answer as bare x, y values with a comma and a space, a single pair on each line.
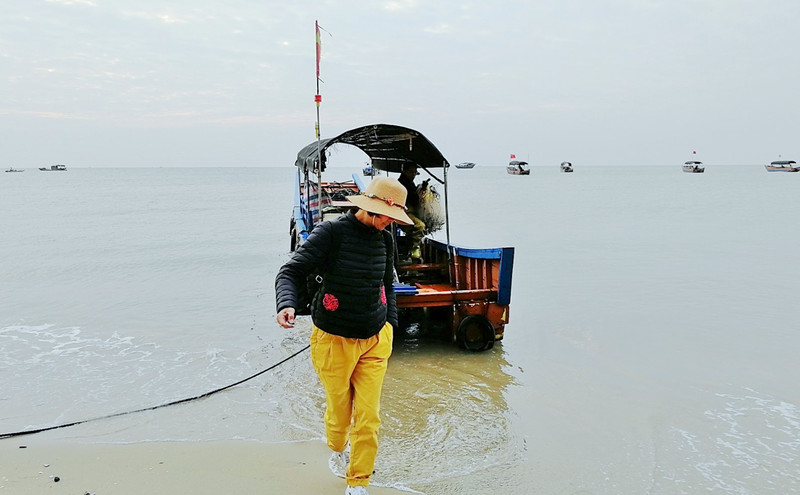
388, 146
783, 162
693, 163
517, 163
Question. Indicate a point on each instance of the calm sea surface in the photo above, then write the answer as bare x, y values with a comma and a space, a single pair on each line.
652, 346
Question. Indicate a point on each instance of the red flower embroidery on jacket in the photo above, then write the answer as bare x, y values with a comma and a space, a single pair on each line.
330, 302
383, 295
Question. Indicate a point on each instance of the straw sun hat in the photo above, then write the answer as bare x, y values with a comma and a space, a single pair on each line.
384, 196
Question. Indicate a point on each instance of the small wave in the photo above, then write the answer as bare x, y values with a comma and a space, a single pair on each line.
749, 441
79, 375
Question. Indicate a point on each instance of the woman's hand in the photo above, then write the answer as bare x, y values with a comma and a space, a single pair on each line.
285, 317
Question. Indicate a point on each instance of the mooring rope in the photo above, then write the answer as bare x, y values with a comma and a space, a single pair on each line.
175, 402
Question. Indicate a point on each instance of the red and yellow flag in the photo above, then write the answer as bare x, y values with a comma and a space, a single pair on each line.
319, 47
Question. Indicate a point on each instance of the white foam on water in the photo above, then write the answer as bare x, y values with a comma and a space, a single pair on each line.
749, 444
61, 374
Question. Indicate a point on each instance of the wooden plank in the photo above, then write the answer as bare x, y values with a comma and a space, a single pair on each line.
431, 295
422, 267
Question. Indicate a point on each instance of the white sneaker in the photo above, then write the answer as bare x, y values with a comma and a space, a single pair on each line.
356, 490
338, 462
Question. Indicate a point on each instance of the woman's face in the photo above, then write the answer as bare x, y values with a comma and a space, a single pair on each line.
380, 222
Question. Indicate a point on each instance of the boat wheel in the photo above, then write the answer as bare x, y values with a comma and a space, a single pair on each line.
475, 333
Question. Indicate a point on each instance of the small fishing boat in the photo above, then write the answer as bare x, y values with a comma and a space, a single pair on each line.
782, 166
458, 293
465, 165
566, 167
516, 167
12, 169
694, 167
53, 168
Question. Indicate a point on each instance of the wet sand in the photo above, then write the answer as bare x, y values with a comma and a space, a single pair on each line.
169, 468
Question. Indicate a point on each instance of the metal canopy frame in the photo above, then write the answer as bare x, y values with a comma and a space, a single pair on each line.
389, 147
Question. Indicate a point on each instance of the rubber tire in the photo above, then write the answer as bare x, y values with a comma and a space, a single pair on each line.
475, 333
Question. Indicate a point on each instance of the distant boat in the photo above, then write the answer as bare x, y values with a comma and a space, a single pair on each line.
370, 171
566, 167
516, 167
12, 169
465, 165
783, 166
694, 167
53, 168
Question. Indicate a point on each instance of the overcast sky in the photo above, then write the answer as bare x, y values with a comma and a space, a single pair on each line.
94, 83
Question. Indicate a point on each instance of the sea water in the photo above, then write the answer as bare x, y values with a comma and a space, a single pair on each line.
651, 347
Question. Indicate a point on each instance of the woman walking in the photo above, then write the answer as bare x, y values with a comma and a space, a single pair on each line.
354, 314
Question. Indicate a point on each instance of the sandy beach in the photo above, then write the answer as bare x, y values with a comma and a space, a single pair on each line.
34, 467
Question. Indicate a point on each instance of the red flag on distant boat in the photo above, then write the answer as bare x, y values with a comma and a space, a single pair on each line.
319, 47
694, 152
513, 155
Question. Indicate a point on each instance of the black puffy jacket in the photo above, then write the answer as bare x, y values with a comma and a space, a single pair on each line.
356, 261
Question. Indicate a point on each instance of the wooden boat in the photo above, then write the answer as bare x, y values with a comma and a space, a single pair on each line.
516, 167
465, 165
782, 166
694, 167
566, 167
53, 168
459, 293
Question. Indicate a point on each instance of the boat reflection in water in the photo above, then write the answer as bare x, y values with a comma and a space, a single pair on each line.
445, 412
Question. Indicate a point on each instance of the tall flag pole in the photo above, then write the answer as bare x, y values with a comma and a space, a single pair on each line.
318, 100
318, 97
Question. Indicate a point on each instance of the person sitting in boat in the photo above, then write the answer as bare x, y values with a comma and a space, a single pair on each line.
416, 231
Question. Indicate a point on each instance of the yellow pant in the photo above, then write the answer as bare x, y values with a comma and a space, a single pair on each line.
352, 371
